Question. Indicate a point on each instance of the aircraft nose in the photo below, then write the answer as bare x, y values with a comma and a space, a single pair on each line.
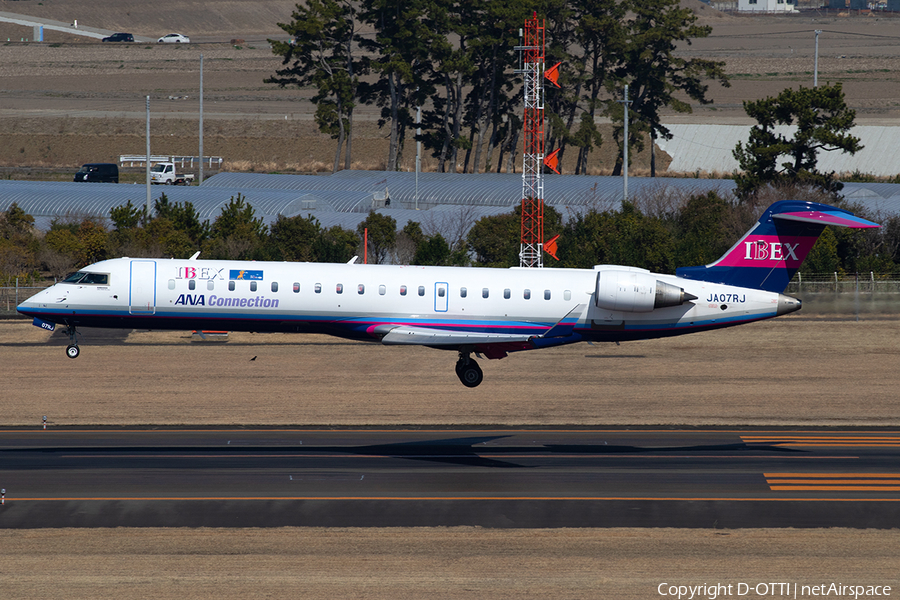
787, 304
32, 302
27, 303
24, 306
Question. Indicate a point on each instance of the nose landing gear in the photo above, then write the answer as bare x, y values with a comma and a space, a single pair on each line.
72, 350
468, 371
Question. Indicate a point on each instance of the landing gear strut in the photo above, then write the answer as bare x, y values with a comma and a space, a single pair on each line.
72, 350
468, 371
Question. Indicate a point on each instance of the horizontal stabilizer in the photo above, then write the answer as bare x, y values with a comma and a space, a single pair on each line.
827, 217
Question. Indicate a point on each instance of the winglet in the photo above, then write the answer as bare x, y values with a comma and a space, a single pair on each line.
566, 326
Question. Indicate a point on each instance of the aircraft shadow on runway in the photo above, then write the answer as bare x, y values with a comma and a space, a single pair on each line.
464, 451
472, 451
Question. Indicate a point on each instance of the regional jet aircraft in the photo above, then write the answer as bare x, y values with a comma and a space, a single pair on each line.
488, 312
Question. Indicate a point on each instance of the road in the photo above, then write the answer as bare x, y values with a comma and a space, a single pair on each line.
497, 478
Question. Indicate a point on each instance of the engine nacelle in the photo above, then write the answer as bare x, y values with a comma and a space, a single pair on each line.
636, 291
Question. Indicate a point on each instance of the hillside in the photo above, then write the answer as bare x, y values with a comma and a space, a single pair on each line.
225, 18
202, 18
74, 100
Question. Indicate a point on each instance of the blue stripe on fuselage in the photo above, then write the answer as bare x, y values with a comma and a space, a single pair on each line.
359, 327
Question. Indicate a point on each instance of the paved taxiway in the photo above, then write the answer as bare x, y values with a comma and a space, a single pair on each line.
498, 478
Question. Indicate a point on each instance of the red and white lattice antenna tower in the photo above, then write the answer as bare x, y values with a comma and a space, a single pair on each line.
532, 244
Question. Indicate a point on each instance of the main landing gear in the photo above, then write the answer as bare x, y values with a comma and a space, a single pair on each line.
468, 371
72, 350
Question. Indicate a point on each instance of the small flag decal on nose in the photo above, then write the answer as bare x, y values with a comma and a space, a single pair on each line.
242, 275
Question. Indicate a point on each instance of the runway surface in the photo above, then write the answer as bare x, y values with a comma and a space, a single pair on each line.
497, 478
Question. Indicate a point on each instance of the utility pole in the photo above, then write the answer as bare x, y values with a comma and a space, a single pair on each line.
200, 175
418, 148
816, 62
147, 162
625, 103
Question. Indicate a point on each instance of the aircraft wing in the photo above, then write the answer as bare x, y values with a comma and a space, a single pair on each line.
426, 336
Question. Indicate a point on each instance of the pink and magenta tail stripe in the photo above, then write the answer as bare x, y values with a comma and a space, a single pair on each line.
768, 251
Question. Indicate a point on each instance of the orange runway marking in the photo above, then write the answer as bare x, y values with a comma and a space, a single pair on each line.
843, 475
816, 437
867, 441
833, 488
836, 481
833, 482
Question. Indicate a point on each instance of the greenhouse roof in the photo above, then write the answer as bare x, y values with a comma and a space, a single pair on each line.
482, 189
73, 200
347, 196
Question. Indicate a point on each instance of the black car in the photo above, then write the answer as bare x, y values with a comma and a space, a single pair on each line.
119, 37
98, 172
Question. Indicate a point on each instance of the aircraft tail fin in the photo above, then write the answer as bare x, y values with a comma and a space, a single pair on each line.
769, 255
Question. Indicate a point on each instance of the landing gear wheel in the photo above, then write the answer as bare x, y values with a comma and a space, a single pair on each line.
469, 372
72, 350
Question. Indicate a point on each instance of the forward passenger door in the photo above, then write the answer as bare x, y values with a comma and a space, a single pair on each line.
142, 295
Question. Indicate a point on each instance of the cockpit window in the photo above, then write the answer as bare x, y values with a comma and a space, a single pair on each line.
83, 277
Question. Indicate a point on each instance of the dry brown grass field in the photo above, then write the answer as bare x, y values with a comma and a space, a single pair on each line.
779, 373
445, 563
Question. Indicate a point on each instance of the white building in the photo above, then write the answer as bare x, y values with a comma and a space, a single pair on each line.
766, 6
708, 148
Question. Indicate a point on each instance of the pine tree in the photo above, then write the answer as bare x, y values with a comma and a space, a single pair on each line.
823, 122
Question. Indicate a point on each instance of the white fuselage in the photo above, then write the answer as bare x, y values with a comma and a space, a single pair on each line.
354, 300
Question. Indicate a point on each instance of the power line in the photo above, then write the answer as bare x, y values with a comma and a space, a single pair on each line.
805, 31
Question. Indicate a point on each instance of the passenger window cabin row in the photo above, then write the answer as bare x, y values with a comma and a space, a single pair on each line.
382, 289
211, 285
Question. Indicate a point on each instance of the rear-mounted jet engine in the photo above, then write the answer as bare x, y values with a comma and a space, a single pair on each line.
636, 290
